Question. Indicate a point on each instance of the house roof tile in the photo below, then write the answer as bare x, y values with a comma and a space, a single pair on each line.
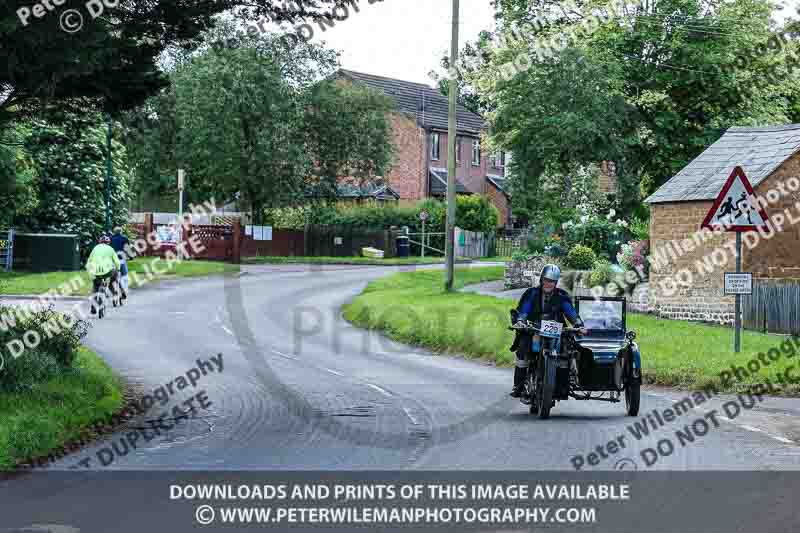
759, 151
428, 105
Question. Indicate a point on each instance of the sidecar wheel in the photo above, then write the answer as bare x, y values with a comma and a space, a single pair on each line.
632, 393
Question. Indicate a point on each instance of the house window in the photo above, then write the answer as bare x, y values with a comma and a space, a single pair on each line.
500, 160
458, 150
435, 146
476, 153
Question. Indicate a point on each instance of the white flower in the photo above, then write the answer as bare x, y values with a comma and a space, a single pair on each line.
584, 218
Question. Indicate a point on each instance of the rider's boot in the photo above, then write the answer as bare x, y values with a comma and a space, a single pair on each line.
573, 373
519, 382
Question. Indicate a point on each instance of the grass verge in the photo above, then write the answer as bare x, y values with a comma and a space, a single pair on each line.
348, 260
412, 307
52, 413
39, 283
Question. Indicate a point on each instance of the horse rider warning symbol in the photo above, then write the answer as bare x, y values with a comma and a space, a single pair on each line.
735, 208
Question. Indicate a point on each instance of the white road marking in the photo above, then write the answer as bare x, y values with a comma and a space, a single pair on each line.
758, 430
382, 391
410, 416
284, 355
730, 420
333, 372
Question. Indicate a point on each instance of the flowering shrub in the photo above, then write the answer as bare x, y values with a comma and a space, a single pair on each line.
602, 234
633, 255
581, 257
601, 274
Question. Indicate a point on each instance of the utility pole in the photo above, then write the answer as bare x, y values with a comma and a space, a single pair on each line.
452, 131
108, 172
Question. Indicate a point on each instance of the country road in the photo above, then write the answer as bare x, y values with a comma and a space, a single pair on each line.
303, 389
296, 388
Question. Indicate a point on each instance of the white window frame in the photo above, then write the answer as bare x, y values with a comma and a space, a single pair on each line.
435, 142
476, 144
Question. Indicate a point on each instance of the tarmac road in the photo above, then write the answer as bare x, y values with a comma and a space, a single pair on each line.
302, 389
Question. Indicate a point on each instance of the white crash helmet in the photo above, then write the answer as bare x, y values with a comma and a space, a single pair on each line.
550, 272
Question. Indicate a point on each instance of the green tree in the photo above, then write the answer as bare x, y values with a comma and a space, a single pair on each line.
111, 59
252, 120
69, 165
648, 86
347, 132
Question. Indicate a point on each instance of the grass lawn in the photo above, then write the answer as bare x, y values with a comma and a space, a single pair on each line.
39, 283
348, 260
412, 307
50, 414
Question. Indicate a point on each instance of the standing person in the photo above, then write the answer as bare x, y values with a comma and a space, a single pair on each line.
118, 243
102, 263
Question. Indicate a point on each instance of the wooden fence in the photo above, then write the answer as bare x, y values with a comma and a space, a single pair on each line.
6, 249
346, 241
773, 307
471, 244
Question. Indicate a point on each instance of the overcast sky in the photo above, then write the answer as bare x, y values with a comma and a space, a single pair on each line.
403, 39
406, 39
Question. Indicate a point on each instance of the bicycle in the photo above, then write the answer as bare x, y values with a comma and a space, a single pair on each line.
108, 288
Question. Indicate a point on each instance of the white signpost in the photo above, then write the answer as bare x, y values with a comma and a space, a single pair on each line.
423, 216
735, 210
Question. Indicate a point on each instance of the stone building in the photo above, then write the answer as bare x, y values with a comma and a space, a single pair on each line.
687, 266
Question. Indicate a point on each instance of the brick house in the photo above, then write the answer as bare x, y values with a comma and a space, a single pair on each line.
769, 157
419, 125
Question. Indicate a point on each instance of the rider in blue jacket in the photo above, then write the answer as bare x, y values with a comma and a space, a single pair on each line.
545, 302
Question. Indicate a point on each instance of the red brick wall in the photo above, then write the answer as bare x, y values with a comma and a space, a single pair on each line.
472, 177
408, 173
500, 201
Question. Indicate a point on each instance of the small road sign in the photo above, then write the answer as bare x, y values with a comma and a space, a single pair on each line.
739, 283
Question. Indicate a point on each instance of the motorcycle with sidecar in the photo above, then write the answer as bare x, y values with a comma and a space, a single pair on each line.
607, 358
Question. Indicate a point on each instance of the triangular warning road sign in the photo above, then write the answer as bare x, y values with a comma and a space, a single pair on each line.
735, 209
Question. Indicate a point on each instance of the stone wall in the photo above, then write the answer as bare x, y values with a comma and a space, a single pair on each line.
573, 281
514, 271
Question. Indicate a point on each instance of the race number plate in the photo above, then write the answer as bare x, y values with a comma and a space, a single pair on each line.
551, 329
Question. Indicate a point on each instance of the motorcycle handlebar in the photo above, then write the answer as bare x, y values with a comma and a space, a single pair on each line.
528, 326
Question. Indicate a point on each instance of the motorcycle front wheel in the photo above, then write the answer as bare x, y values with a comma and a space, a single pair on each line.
545, 385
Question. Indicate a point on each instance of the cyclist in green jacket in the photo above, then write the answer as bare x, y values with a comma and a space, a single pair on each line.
103, 263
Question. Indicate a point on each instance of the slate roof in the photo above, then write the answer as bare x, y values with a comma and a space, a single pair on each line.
429, 105
497, 181
382, 192
438, 182
759, 151
377, 190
